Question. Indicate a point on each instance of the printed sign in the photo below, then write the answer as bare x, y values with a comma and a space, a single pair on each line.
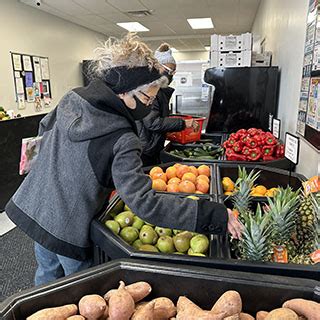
276, 123
291, 151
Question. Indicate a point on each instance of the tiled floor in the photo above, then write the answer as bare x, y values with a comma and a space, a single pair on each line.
5, 224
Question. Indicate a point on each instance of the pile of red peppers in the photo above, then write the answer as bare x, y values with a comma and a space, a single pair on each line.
253, 145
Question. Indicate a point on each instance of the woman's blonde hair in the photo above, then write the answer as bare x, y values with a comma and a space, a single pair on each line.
129, 51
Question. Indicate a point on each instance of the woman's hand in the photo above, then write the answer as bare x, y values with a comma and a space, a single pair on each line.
234, 226
190, 123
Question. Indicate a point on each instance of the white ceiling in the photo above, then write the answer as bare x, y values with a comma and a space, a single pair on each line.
168, 21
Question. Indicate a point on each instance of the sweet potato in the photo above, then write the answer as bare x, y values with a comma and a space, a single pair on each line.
139, 290
261, 315
121, 304
233, 317
187, 310
56, 313
230, 303
145, 312
282, 314
246, 316
92, 306
108, 294
105, 315
307, 308
164, 309
77, 317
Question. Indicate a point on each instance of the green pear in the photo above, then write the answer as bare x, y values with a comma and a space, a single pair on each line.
129, 234
148, 247
126, 208
199, 243
137, 222
177, 252
125, 219
182, 241
193, 197
149, 224
137, 244
163, 231
148, 235
165, 244
176, 231
113, 226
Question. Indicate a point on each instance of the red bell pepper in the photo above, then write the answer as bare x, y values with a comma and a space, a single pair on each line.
268, 150
245, 138
252, 131
242, 132
226, 144
237, 147
254, 154
229, 152
270, 140
268, 158
236, 157
279, 151
232, 140
251, 142
259, 138
246, 150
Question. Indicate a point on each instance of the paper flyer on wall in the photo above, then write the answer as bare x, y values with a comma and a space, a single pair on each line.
30, 94
27, 65
16, 60
44, 63
37, 69
21, 101
19, 86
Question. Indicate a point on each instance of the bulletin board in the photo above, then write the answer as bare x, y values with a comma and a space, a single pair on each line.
308, 124
31, 75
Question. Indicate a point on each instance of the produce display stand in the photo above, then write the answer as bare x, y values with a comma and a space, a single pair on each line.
202, 285
269, 177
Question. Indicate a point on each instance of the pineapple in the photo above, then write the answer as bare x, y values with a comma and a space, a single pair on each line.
241, 199
255, 244
282, 208
307, 225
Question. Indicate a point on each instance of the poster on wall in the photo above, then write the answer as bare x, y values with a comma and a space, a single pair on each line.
16, 61
37, 69
30, 94
314, 103
44, 64
27, 65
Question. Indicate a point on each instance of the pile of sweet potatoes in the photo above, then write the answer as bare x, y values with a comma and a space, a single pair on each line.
125, 303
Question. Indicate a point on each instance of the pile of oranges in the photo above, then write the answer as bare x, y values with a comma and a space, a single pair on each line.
181, 178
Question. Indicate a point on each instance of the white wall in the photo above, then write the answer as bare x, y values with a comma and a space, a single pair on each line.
283, 25
31, 31
191, 55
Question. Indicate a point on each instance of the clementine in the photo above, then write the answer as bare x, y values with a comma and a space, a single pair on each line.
173, 187
159, 185
155, 170
160, 175
181, 170
202, 186
171, 172
187, 186
203, 177
203, 169
190, 177
174, 180
194, 170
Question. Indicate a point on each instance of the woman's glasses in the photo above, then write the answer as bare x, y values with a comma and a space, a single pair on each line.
150, 99
170, 71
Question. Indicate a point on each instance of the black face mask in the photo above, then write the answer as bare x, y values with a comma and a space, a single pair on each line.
140, 111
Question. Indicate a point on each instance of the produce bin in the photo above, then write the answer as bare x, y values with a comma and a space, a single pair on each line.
166, 156
108, 246
269, 177
164, 166
202, 285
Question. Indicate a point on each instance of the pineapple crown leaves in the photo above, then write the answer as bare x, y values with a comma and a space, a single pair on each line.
256, 237
282, 208
241, 199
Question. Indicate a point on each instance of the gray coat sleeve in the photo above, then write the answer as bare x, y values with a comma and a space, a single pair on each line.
134, 188
47, 122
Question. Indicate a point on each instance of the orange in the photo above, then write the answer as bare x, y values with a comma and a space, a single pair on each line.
159, 175
174, 180
171, 172
155, 170
228, 193
203, 177
190, 177
203, 169
159, 185
194, 170
199, 192
181, 170
260, 189
202, 186
176, 165
187, 186
173, 187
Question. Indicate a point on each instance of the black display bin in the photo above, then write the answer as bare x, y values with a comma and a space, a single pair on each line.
202, 285
109, 246
166, 156
164, 166
269, 177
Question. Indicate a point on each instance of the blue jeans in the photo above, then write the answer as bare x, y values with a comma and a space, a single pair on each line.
52, 266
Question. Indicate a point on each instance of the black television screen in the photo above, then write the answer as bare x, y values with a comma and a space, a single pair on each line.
243, 98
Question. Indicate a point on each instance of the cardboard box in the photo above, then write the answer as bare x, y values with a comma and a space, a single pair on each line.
230, 59
231, 42
261, 59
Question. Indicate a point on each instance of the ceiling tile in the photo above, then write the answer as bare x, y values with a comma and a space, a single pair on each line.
92, 19
125, 5
97, 6
68, 7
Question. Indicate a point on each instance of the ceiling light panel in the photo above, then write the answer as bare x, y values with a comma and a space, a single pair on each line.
201, 23
133, 26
